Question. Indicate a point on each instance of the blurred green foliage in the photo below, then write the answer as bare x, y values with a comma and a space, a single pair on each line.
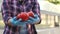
54, 1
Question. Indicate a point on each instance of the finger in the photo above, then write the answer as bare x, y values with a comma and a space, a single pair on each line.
14, 17
35, 15
31, 18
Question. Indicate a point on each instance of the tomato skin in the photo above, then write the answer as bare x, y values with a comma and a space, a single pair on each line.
31, 14
23, 15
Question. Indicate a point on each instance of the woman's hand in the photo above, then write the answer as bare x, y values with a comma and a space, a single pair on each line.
16, 22
34, 20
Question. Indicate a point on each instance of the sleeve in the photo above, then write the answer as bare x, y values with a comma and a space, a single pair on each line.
6, 13
36, 9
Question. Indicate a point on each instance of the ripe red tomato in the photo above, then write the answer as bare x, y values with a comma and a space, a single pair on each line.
31, 14
23, 16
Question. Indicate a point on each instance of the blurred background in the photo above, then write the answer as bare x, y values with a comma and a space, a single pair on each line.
50, 14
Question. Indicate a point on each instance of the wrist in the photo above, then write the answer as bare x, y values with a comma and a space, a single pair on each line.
9, 23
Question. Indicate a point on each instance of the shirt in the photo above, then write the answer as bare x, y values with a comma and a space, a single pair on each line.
11, 8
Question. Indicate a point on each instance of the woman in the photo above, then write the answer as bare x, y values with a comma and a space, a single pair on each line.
11, 8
